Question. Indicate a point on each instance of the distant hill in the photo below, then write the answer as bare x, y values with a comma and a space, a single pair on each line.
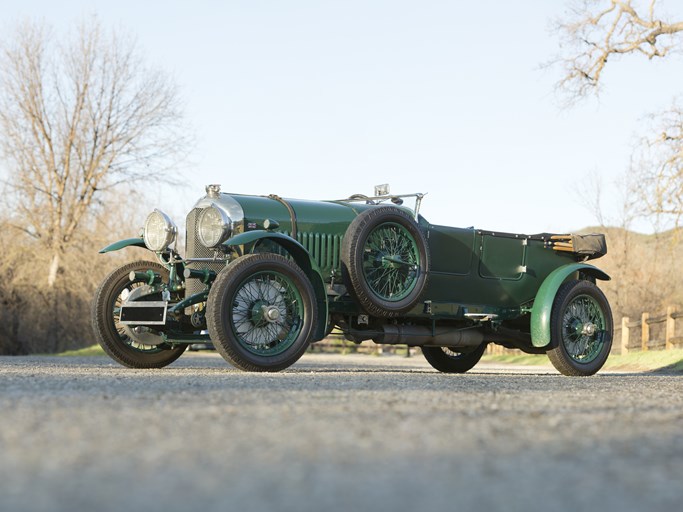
646, 270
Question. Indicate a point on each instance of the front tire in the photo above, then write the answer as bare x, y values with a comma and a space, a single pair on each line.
114, 337
581, 329
261, 313
450, 360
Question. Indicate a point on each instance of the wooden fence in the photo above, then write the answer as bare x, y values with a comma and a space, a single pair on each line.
656, 332
648, 333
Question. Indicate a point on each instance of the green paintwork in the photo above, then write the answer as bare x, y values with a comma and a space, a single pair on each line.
474, 275
543, 303
180, 338
496, 272
472, 271
320, 225
260, 234
206, 276
189, 301
121, 244
149, 277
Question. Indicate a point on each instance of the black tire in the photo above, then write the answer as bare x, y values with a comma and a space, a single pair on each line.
581, 329
261, 313
385, 261
112, 336
451, 360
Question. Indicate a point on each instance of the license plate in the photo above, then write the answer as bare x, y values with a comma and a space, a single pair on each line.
144, 313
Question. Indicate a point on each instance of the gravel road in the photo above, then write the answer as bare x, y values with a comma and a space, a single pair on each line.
348, 433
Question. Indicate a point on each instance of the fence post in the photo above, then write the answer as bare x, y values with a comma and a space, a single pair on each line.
624, 335
670, 327
645, 332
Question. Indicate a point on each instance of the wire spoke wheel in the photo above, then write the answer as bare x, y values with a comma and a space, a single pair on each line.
135, 350
583, 326
261, 312
391, 262
267, 313
385, 261
581, 329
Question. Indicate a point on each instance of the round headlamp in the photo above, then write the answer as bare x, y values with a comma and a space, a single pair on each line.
213, 226
159, 232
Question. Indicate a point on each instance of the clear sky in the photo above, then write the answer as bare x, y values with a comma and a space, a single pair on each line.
322, 99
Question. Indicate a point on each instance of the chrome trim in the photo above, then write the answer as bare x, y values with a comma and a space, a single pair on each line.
226, 225
171, 230
225, 202
213, 190
396, 199
199, 256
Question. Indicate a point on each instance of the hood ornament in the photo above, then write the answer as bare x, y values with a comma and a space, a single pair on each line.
213, 190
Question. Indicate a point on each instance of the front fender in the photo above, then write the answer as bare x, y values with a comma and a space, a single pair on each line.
302, 258
543, 303
121, 244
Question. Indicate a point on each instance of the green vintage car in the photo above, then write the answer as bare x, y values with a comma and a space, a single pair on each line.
263, 277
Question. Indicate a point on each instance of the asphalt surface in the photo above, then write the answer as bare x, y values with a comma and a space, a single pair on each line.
334, 433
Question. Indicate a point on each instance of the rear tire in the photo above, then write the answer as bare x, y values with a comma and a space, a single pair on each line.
449, 360
581, 329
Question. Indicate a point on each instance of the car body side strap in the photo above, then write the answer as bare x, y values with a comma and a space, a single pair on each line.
292, 213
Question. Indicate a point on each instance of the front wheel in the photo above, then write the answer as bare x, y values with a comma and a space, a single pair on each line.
261, 312
124, 346
452, 360
580, 329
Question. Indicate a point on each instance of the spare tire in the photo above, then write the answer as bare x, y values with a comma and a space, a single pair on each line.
385, 261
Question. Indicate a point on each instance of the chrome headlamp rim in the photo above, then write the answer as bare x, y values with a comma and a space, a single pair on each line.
222, 226
158, 240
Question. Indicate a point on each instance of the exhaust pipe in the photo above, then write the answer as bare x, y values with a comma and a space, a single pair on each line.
417, 335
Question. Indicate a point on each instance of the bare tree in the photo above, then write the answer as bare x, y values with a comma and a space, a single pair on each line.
657, 166
77, 118
79, 115
597, 32
600, 30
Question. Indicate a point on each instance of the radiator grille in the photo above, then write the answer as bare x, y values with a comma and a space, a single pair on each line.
195, 249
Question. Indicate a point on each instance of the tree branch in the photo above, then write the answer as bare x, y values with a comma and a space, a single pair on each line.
592, 36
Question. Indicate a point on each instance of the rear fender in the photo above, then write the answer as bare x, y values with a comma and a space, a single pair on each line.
302, 258
543, 303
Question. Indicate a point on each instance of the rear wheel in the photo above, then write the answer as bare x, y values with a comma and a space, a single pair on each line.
452, 360
147, 350
261, 312
580, 329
